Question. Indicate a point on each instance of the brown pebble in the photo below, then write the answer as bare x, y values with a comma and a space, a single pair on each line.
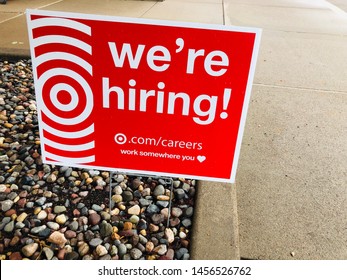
10, 212
76, 212
126, 233
74, 195
14, 241
51, 217
15, 256
70, 234
153, 228
61, 254
185, 243
94, 219
149, 246
127, 226
115, 236
21, 203
170, 254
23, 194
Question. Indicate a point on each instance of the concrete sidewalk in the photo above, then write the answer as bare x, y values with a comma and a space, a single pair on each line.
291, 181
291, 184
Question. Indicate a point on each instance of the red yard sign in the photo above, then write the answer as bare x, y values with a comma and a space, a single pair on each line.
141, 96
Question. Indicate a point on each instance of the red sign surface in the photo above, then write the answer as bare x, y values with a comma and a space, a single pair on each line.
141, 96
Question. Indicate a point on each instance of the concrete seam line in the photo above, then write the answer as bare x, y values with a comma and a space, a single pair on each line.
11, 18
50, 4
150, 8
201, 229
226, 18
336, 9
300, 88
236, 223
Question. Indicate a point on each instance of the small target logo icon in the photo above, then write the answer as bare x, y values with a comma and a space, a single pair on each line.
120, 138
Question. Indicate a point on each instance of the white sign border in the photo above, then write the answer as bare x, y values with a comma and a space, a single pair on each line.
256, 31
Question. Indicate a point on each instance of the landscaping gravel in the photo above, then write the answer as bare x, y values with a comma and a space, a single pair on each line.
53, 212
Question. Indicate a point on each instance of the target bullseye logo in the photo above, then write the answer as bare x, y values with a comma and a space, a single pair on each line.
120, 138
57, 97
63, 91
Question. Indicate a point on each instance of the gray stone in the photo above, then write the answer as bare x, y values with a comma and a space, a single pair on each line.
68, 172
134, 219
127, 196
73, 255
93, 173
122, 250
41, 201
106, 257
105, 215
84, 211
80, 205
126, 257
9, 227
53, 225
19, 225
61, 180
44, 233
162, 204
4, 158
59, 209
157, 218
159, 190
119, 178
12, 195
29, 160
36, 230
48, 253
6, 205
135, 253
10, 180
152, 209
180, 252
144, 202
143, 240
113, 250
46, 169
5, 221
97, 208
3, 188
187, 222
73, 225
189, 212
180, 194
95, 242
105, 229
136, 183
186, 187
29, 204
